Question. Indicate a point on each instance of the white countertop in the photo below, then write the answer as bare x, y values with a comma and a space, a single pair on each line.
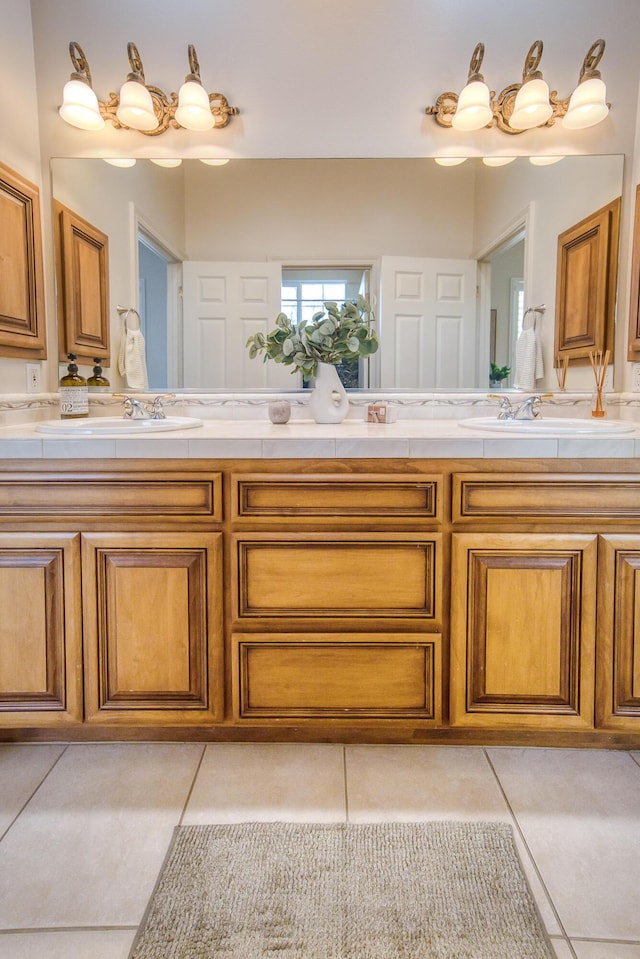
259, 438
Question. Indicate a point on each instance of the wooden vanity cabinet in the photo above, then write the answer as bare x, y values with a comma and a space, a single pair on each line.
618, 689
523, 630
543, 617
152, 605
463, 601
116, 618
40, 629
336, 598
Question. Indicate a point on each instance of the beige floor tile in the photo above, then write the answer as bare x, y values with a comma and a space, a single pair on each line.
246, 782
106, 944
417, 783
409, 783
579, 811
88, 848
606, 950
22, 769
562, 949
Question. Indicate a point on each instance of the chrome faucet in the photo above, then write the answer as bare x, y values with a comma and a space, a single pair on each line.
529, 409
141, 409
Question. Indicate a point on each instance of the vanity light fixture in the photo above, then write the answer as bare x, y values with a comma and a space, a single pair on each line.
497, 161
214, 161
588, 103
140, 106
122, 162
532, 106
524, 106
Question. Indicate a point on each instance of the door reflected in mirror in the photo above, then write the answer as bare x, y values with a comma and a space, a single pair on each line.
223, 240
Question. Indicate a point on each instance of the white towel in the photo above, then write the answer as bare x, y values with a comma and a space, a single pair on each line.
529, 365
131, 360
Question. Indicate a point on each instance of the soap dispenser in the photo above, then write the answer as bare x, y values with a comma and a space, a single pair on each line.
74, 395
97, 381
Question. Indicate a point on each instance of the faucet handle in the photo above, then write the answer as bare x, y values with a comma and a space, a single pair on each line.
157, 409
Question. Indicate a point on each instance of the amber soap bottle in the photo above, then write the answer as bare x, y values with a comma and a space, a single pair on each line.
74, 395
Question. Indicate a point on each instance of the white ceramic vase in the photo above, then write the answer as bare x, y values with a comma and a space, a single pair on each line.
328, 402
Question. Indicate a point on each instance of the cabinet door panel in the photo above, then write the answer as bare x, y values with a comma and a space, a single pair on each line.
346, 675
522, 631
327, 498
618, 687
153, 627
40, 662
323, 575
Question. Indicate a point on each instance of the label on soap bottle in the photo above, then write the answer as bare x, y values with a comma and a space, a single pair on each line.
74, 401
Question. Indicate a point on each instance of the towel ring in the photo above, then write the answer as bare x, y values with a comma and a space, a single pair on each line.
536, 310
125, 312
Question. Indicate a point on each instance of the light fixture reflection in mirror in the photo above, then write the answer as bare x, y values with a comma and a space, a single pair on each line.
283, 213
450, 161
167, 162
544, 161
124, 163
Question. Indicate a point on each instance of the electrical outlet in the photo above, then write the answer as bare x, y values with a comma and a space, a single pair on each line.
33, 378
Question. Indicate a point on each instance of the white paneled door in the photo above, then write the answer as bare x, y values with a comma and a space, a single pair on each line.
428, 323
223, 305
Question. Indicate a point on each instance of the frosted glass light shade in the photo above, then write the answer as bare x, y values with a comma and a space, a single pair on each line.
497, 161
531, 107
194, 110
474, 110
136, 107
587, 106
80, 106
214, 161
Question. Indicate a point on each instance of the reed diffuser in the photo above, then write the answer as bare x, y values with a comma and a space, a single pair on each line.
561, 372
599, 364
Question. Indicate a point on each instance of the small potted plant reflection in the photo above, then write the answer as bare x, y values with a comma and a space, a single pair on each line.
497, 374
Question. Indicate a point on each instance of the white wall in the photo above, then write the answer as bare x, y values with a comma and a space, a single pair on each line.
279, 209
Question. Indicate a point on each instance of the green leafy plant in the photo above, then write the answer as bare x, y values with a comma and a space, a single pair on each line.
499, 373
333, 335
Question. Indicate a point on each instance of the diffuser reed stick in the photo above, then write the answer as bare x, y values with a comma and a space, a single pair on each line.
561, 372
599, 364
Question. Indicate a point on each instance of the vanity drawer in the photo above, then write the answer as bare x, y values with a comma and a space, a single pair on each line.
336, 675
399, 498
149, 496
543, 497
337, 575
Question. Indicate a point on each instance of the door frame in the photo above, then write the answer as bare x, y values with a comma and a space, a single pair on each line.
141, 227
522, 223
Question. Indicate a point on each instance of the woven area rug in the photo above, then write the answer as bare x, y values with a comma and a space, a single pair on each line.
435, 890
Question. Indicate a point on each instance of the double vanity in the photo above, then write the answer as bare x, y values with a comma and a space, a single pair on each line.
428, 580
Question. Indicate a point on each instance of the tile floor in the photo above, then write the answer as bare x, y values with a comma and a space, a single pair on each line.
84, 828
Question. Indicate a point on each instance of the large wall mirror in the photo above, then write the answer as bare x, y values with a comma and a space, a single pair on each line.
451, 257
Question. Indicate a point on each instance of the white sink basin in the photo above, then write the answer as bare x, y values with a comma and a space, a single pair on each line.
116, 426
552, 425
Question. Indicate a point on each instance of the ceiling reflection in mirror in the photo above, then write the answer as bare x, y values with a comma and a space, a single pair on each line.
450, 257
